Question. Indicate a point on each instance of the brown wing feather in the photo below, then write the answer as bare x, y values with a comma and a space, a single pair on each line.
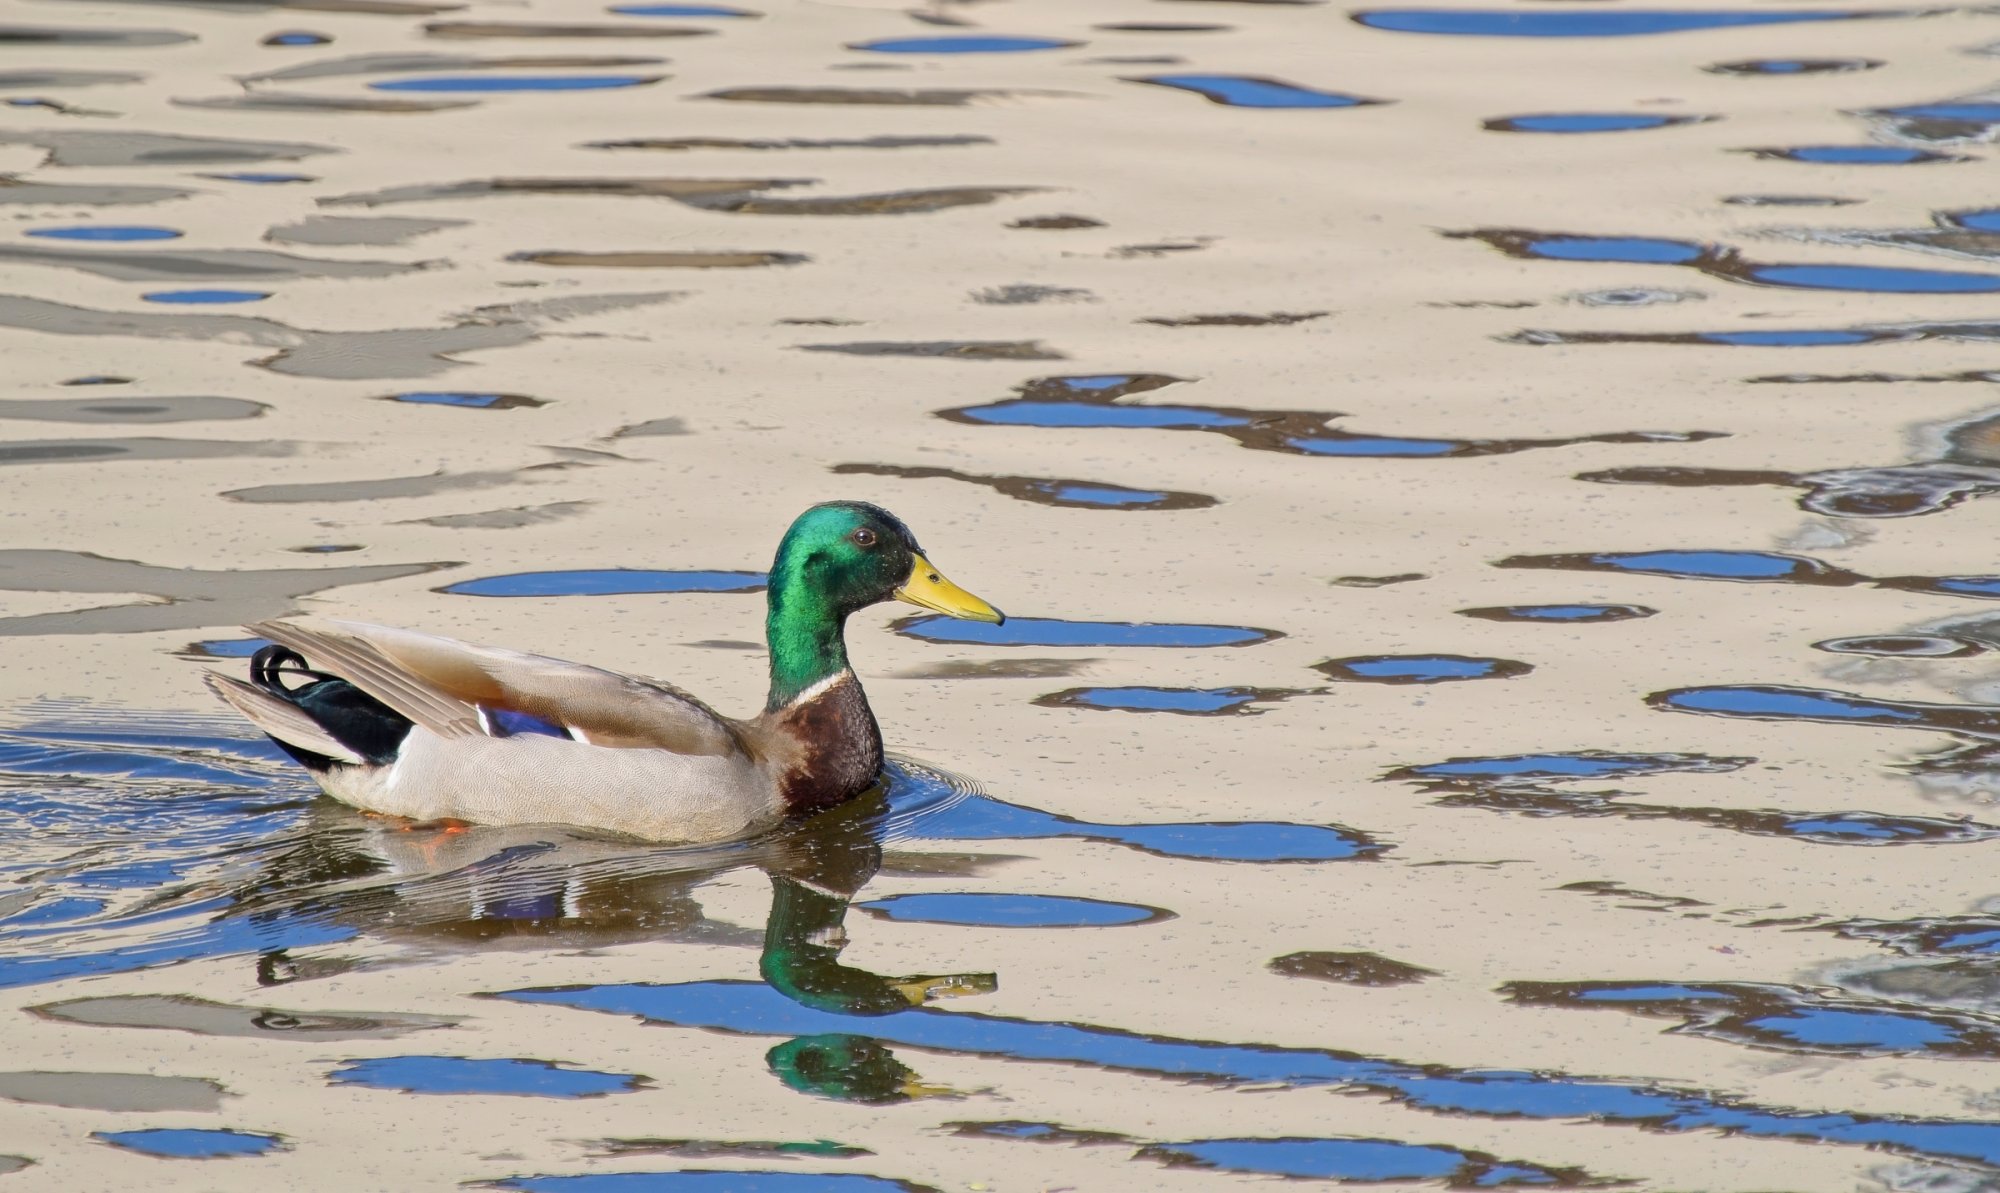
610, 709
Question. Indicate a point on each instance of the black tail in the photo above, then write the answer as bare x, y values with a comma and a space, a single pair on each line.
351, 716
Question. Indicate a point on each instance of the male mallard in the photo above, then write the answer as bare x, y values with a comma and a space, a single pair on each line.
414, 725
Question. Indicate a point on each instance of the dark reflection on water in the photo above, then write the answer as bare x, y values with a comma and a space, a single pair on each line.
1780, 1018
931, 97
1721, 261
1749, 567
1527, 784
1974, 937
708, 1148
711, 1180
1418, 669
1966, 331
1349, 969
1968, 766
1777, 702
1033, 1132
1969, 467
605, 582
1970, 120
1251, 91
1475, 22
1972, 235
944, 349
1067, 492
1902, 646
749, 1008
1338, 1158
192, 1143
1093, 401
1052, 631
1564, 614
961, 44
1206, 702
680, 144
1792, 66
1365, 1160
995, 909
1789, 201
62, 35
506, 1076
1589, 122
206, 1017
1855, 155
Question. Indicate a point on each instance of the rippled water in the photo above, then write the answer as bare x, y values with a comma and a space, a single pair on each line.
1597, 621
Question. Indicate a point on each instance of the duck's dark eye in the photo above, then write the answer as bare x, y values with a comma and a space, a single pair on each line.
864, 537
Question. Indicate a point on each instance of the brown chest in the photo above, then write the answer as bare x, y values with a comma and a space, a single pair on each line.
838, 747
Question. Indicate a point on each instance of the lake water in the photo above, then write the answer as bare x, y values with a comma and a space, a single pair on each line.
1491, 501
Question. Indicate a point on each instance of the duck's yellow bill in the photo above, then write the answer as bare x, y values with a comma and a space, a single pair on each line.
928, 589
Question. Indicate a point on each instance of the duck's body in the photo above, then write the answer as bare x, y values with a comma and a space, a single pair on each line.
415, 725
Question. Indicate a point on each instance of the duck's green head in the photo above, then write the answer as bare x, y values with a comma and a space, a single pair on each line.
847, 555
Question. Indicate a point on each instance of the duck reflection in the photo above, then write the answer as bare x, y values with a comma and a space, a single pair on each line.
548, 887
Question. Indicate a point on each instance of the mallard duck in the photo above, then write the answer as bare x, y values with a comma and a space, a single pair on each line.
411, 724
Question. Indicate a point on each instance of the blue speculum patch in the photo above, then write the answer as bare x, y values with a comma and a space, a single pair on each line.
111, 232
1002, 910
205, 297
502, 83
1050, 631
1245, 91
605, 582
968, 44
463, 1075
1632, 23
192, 1143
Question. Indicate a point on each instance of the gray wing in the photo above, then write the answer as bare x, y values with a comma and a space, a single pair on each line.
442, 684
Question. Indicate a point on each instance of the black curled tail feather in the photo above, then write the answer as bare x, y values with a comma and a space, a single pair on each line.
349, 715
267, 664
